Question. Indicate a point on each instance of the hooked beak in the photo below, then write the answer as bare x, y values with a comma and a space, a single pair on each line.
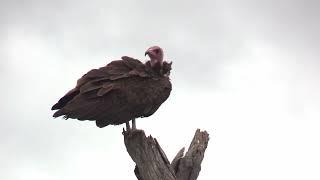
145, 54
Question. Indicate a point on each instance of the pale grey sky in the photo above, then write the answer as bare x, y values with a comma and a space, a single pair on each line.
246, 71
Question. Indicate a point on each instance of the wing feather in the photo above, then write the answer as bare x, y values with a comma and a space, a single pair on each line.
91, 81
105, 89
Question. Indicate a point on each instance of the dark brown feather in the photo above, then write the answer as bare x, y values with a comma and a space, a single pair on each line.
117, 93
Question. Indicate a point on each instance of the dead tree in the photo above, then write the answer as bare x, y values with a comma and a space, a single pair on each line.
152, 163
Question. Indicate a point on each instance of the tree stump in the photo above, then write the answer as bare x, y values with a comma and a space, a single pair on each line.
152, 163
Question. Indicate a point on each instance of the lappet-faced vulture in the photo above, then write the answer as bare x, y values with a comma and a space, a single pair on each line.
119, 92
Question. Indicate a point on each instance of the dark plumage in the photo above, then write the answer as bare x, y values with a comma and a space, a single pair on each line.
119, 92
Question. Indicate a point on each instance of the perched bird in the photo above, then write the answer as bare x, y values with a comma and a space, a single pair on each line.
119, 92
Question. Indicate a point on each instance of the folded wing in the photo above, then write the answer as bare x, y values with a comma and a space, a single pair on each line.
114, 94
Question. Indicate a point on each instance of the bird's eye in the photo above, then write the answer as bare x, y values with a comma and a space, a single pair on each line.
157, 51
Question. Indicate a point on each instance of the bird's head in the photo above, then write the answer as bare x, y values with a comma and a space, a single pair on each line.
156, 55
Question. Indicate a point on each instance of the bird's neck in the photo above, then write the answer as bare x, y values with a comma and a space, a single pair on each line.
156, 63
156, 66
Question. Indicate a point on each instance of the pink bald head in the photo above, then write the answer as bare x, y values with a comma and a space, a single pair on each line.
156, 55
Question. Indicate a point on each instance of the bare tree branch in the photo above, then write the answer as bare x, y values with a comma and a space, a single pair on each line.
190, 164
152, 163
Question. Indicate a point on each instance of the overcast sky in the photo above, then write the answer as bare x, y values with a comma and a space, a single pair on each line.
246, 71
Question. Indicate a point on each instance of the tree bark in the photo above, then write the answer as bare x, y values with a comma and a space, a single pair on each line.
152, 163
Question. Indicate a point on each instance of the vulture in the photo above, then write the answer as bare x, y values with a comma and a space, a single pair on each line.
119, 92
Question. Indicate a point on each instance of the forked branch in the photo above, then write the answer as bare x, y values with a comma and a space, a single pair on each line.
152, 163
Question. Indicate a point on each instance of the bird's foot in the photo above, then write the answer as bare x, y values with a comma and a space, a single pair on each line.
133, 128
128, 128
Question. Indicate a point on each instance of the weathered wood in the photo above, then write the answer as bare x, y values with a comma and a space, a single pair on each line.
176, 160
152, 163
150, 160
190, 164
